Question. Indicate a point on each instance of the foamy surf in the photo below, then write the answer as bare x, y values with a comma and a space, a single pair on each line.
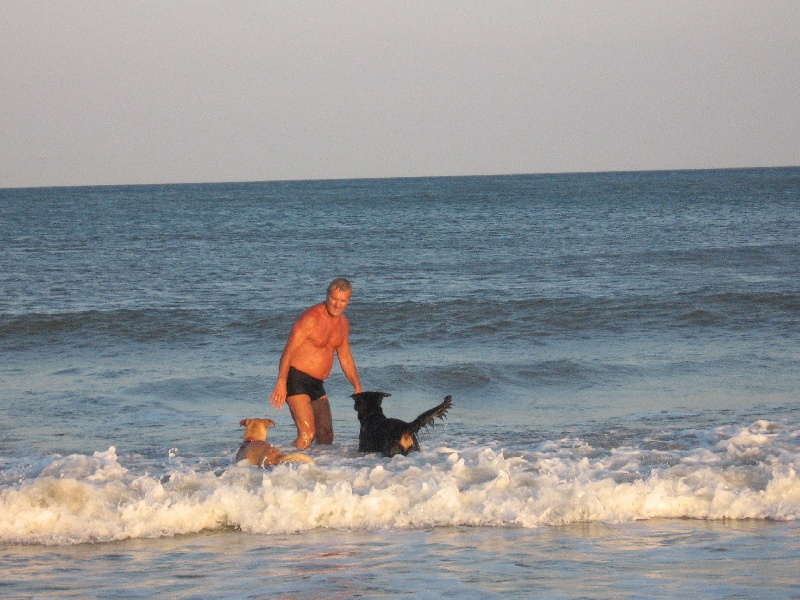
734, 473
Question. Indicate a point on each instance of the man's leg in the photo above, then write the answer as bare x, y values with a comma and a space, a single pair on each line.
303, 415
323, 420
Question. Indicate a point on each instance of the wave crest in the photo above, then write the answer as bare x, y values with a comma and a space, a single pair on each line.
750, 473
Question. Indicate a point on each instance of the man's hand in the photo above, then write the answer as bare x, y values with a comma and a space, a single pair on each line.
278, 398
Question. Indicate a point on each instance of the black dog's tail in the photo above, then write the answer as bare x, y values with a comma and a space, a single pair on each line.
429, 416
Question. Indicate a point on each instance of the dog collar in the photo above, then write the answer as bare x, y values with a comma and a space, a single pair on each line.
250, 440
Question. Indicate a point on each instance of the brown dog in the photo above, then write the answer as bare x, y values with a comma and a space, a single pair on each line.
257, 451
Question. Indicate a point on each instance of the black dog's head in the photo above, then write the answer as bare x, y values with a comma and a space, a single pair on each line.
367, 403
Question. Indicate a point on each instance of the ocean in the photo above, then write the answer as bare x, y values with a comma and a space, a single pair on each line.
622, 350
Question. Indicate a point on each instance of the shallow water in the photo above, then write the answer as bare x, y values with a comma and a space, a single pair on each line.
654, 559
622, 351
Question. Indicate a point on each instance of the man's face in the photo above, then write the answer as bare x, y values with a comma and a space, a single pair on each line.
336, 302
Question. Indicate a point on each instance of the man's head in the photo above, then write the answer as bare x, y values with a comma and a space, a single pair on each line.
340, 284
338, 296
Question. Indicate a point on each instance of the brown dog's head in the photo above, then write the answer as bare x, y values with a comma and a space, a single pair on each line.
256, 429
367, 402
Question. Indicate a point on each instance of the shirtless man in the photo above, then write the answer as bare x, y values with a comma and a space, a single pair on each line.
307, 360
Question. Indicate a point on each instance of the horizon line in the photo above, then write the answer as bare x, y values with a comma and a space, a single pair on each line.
397, 177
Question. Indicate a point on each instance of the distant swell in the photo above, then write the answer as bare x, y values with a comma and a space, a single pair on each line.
413, 322
141, 325
515, 319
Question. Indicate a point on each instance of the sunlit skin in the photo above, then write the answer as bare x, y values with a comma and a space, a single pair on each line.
320, 333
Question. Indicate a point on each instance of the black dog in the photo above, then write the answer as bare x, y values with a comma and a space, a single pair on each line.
390, 436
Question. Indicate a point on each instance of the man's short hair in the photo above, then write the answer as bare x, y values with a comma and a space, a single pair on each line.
341, 284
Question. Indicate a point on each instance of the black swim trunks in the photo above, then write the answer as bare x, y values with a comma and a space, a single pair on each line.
302, 383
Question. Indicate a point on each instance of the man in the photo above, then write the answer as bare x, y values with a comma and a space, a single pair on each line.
306, 362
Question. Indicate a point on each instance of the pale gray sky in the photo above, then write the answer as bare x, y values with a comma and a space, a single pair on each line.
171, 91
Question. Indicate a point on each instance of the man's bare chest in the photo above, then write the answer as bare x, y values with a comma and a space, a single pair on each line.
328, 335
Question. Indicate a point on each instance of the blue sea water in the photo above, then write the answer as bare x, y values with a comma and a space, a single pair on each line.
622, 350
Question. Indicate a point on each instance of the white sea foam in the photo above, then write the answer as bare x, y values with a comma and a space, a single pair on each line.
749, 473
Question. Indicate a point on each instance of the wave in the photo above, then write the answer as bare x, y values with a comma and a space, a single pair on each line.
411, 322
471, 375
470, 318
138, 325
728, 473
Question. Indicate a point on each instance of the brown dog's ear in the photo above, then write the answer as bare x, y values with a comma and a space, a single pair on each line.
270, 422
244, 422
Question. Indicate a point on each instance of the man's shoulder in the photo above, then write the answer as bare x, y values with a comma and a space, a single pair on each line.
309, 317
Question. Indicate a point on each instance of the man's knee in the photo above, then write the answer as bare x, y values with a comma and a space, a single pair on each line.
304, 440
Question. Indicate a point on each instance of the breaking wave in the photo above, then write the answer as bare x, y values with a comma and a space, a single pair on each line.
729, 473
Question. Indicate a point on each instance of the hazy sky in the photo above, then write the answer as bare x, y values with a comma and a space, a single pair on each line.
247, 90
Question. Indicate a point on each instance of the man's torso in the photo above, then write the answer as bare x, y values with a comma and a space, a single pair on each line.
315, 355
